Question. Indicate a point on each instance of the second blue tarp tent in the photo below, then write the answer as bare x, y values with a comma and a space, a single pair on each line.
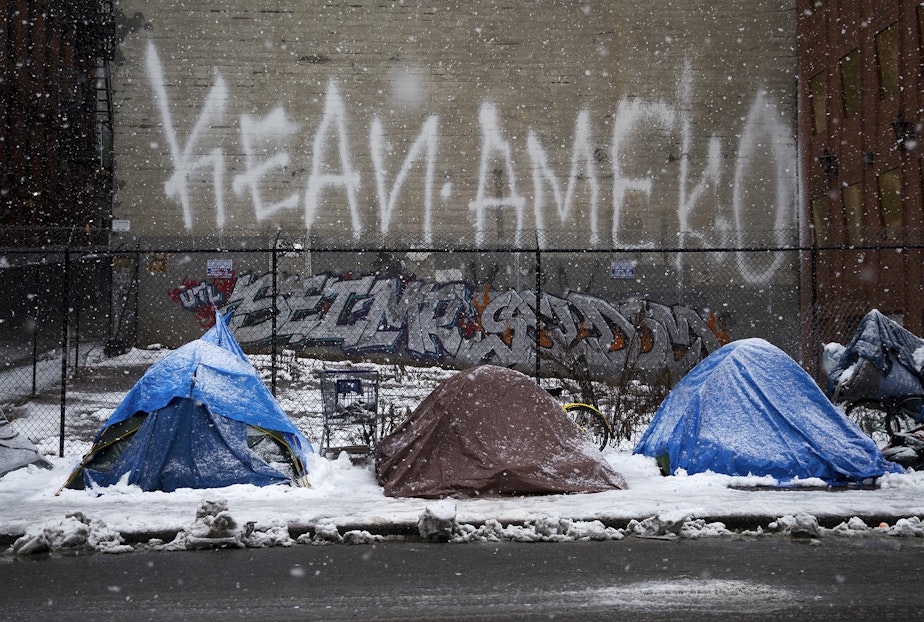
749, 409
199, 418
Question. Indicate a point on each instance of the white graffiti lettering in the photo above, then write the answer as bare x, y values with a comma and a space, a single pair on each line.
582, 159
185, 161
492, 174
254, 134
265, 141
764, 123
334, 120
426, 140
629, 115
689, 199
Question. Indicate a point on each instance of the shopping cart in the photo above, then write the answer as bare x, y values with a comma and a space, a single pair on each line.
349, 399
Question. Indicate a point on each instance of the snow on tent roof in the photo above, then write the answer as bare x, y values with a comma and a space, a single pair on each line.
748, 408
490, 431
212, 369
17, 451
214, 375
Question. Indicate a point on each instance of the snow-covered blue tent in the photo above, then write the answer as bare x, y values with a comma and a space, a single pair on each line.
199, 418
748, 408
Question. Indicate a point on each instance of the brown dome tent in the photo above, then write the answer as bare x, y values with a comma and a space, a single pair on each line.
490, 431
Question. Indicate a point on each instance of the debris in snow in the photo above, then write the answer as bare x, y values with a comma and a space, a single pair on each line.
853, 527
75, 531
324, 533
437, 522
544, 529
361, 536
911, 527
669, 526
216, 528
327, 533
699, 528
666, 526
275, 534
799, 526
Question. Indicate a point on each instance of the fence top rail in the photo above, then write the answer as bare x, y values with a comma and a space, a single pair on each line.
87, 252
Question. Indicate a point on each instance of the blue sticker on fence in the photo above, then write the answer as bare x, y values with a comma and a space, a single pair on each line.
350, 385
622, 270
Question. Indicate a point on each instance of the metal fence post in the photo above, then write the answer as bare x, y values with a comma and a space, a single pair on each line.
538, 335
815, 369
65, 329
275, 269
35, 329
78, 295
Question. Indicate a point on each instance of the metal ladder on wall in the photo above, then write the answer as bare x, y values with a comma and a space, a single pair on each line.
106, 41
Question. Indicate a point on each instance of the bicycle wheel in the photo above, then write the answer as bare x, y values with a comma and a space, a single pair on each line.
904, 415
591, 421
871, 417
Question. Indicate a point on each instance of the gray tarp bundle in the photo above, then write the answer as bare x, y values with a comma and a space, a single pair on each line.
882, 360
490, 431
17, 451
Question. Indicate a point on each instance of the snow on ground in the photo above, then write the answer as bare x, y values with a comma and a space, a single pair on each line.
345, 504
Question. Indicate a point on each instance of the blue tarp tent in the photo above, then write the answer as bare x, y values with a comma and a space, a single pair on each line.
199, 418
748, 408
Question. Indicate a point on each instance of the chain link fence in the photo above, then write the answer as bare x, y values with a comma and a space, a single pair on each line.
613, 328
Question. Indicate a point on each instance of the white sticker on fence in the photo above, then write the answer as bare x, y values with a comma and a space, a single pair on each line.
622, 270
218, 269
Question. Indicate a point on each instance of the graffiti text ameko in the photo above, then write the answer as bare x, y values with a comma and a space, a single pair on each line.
458, 324
265, 142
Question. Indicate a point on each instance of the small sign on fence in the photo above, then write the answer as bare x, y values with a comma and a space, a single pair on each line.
622, 270
218, 269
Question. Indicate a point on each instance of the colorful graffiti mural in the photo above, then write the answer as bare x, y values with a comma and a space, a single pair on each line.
458, 324
202, 297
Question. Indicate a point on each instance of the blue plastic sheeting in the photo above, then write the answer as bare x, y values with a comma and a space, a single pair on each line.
183, 445
749, 409
214, 371
221, 336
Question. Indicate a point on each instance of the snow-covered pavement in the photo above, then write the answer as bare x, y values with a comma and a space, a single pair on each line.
345, 503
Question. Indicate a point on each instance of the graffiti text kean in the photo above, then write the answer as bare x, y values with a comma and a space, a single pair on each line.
601, 192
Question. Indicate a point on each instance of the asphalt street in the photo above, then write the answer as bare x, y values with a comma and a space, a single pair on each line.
767, 578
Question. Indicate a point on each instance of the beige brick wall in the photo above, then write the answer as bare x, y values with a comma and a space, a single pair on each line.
670, 121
